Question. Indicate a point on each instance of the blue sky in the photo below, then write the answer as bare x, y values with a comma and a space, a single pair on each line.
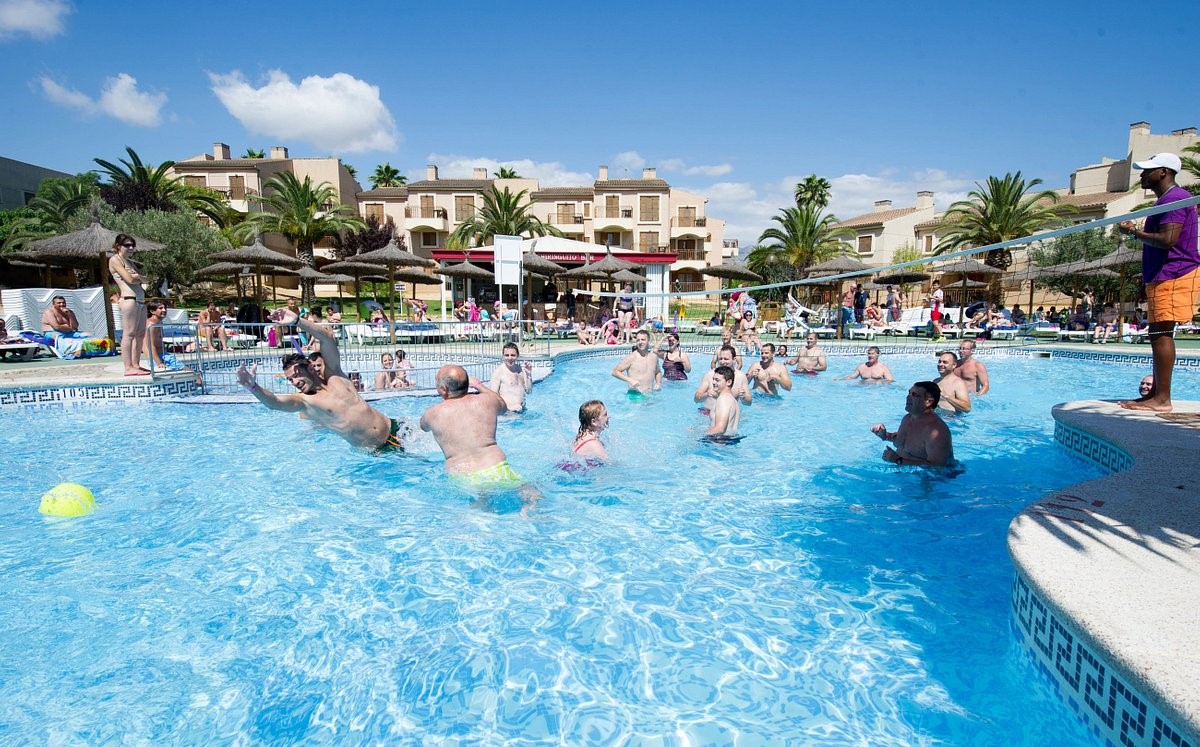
735, 101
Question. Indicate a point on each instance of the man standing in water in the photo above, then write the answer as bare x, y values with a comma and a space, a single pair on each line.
640, 369
973, 373
334, 404
922, 437
955, 397
512, 380
725, 412
464, 426
811, 359
874, 370
741, 385
768, 374
1170, 269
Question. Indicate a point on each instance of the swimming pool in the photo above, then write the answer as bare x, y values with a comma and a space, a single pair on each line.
250, 579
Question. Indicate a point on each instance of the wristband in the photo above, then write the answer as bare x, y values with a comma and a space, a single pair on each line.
899, 459
253, 387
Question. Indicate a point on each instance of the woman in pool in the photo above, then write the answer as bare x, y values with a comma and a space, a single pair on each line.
593, 418
675, 361
386, 378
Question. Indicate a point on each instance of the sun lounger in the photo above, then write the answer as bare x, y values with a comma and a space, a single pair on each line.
1074, 335
20, 351
866, 333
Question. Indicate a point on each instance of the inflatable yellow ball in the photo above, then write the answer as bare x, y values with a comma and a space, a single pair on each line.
68, 499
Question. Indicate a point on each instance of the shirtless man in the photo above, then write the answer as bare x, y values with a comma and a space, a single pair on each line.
811, 359
334, 404
326, 362
58, 318
923, 437
874, 370
512, 380
955, 396
970, 370
464, 426
725, 412
726, 339
741, 385
208, 323
769, 374
640, 369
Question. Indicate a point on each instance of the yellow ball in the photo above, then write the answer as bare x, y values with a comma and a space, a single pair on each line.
68, 499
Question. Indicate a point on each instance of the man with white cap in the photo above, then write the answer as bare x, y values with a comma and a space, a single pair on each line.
1170, 269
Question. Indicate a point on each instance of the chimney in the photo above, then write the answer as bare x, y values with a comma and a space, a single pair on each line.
221, 151
1184, 131
278, 151
480, 173
924, 200
603, 177
1142, 127
883, 205
649, 173
431, 173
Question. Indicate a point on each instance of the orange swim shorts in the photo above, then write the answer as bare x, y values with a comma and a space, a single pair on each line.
1173, 300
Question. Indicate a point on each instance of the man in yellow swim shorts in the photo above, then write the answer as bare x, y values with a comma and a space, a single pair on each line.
464, 426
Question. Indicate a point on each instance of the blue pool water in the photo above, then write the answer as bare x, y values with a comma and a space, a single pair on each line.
248, 579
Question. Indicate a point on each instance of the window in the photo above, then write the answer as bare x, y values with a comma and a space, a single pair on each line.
648, 241
864, 244
375, 210
648, 209
687, 217
464, 207
429, 238
194, 181
566, 213
612, 206
237, 187
587, 210
612, 238
929, 244
426, 206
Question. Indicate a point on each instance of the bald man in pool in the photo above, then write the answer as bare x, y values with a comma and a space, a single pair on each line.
922, 437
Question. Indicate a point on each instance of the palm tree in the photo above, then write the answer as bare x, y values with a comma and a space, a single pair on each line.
505, 173
814, 190
1191, 164
805, 236
502, 213
1002, 208
387, 176
48, 212
254, 153
140, 186
303, 214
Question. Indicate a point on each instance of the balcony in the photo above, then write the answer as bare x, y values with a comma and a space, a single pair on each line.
691, 255
562, 219
421, 218
681, 286
620, 218
693, 226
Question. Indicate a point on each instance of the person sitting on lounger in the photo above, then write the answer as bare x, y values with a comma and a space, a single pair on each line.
58, 320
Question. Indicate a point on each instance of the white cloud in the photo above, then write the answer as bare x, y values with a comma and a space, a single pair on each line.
119, 98
627, 160
548, 173
41, 19
341, 113
677, 165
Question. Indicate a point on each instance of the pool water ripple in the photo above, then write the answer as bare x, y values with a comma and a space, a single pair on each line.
249, 579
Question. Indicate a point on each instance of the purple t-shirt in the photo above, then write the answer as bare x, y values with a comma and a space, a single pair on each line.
1167, 264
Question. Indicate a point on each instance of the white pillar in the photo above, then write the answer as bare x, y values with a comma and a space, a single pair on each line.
656, 282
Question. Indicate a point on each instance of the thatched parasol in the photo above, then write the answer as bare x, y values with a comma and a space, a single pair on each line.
611, 264
585, 271
837, 266
539, 265
627, 276
732, 271
258, 255
87, 245
465, 269
1121, 259
359, 270
392, 256
966, 265
902, 277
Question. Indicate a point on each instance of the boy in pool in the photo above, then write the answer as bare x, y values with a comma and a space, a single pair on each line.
640, 369
512, 380
726, 412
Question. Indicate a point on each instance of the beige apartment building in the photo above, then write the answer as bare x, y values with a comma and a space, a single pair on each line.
879, 233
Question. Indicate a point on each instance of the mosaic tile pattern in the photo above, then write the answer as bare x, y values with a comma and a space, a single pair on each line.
94, 394
1112, 709
1094, 449
1132, 359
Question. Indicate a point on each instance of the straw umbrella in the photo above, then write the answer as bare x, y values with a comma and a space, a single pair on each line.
226, 269
533, 263
415, 277
966, 266
732, 271
837, 266
393, 256
258, 255
87, 245
359, 271
466, 270
627, 276
1121, 259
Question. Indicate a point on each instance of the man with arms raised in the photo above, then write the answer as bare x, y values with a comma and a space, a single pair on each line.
640, 368
811, 359
955, 396
769, 374
973, 373
464, 426
725, 412
1170, 269
512, 380
334, 404
923, 437
874, 370
741, 385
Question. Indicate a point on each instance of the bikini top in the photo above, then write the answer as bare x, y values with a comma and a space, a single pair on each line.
586, 440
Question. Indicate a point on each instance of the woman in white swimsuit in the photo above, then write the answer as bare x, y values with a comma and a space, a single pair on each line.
132, 304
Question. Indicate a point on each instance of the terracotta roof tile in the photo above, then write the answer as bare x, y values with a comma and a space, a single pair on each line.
871, 219
556, 192
457, 185
625, 185
382, 192
227, 163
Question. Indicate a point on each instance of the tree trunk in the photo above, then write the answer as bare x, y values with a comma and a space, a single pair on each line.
307, 295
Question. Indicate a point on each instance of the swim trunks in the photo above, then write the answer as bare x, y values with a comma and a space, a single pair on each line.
392, 444
635, 396
1173, 300
720, 438
497, 477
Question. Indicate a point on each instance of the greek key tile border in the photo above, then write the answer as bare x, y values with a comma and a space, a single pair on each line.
93, 394
1111, 707
1091, 448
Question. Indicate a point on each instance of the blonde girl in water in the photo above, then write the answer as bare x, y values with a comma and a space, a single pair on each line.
593, 418
132, 302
